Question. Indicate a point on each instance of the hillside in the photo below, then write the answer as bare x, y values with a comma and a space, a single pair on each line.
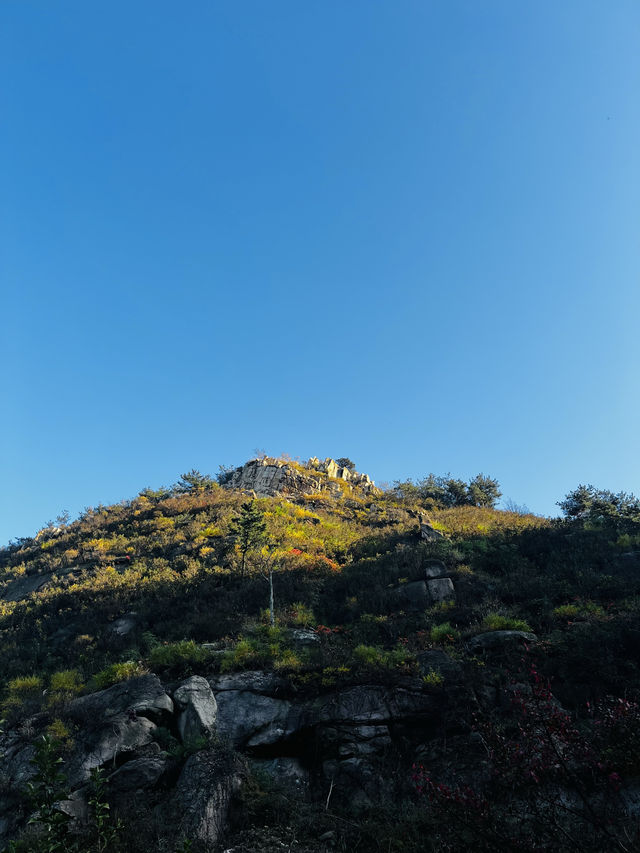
429, 672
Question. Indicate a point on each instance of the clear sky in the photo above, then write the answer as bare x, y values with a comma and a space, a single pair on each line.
407, 232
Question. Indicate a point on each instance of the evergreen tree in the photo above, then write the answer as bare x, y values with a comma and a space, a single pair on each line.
249, 529
193, 482
484, 491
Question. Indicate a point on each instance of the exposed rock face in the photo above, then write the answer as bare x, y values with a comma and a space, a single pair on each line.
343, 739
199, 709
139, 774
251, 719
116, 721
268, 477
144, 695
198, 807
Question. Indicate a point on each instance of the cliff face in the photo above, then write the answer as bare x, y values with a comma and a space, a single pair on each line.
269, 477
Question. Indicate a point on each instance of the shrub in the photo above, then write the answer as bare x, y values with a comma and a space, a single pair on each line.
60, 733
117, 672
244, 655
301, 615
497, 622
288, 660
23, 691
64, 685
433, 679
581, 609
444, 633
377, 658
182, 656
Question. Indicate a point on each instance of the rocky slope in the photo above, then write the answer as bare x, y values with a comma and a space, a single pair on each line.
425, 666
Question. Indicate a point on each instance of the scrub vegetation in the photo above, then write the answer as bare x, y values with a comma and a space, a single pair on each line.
189, 565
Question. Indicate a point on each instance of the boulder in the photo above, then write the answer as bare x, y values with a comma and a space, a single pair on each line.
197, 809
435, 569
75, 807
198, 709
370, 704
498, 640
139, 774
144, 696
124, 625
304, 637
104, 745
441, 589
429, 533
249, 719
114, 722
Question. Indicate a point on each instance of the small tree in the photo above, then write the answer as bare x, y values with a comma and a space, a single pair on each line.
345, 462
484, 491
589, 503
193, 482
249, 529
268, 566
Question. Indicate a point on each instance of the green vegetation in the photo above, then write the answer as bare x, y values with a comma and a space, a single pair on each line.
187, 567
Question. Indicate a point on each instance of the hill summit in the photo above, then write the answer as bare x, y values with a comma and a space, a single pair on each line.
268, 476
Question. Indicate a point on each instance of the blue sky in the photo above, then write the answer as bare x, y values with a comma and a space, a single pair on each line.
406, 232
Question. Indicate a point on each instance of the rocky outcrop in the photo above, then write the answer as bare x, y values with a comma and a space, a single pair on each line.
197, 810
198, 709
268, 477
342, 740
115, 722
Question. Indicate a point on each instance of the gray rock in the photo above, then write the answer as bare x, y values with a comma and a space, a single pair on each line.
252, 719
198, 707
76, 807
145, 695
429, 533
255, 680
304, 637
441, 589
102, 746
124, 625
115, 722
370, 704
363, 741
435, 569
498, 640
280, 477
414, 595
24, 586
140, 773
198, 807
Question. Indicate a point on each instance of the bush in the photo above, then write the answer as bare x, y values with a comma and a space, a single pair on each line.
117, 672
373, 657
25, 692
444, 633
64, 685
182, 657
433, 679
498, 622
